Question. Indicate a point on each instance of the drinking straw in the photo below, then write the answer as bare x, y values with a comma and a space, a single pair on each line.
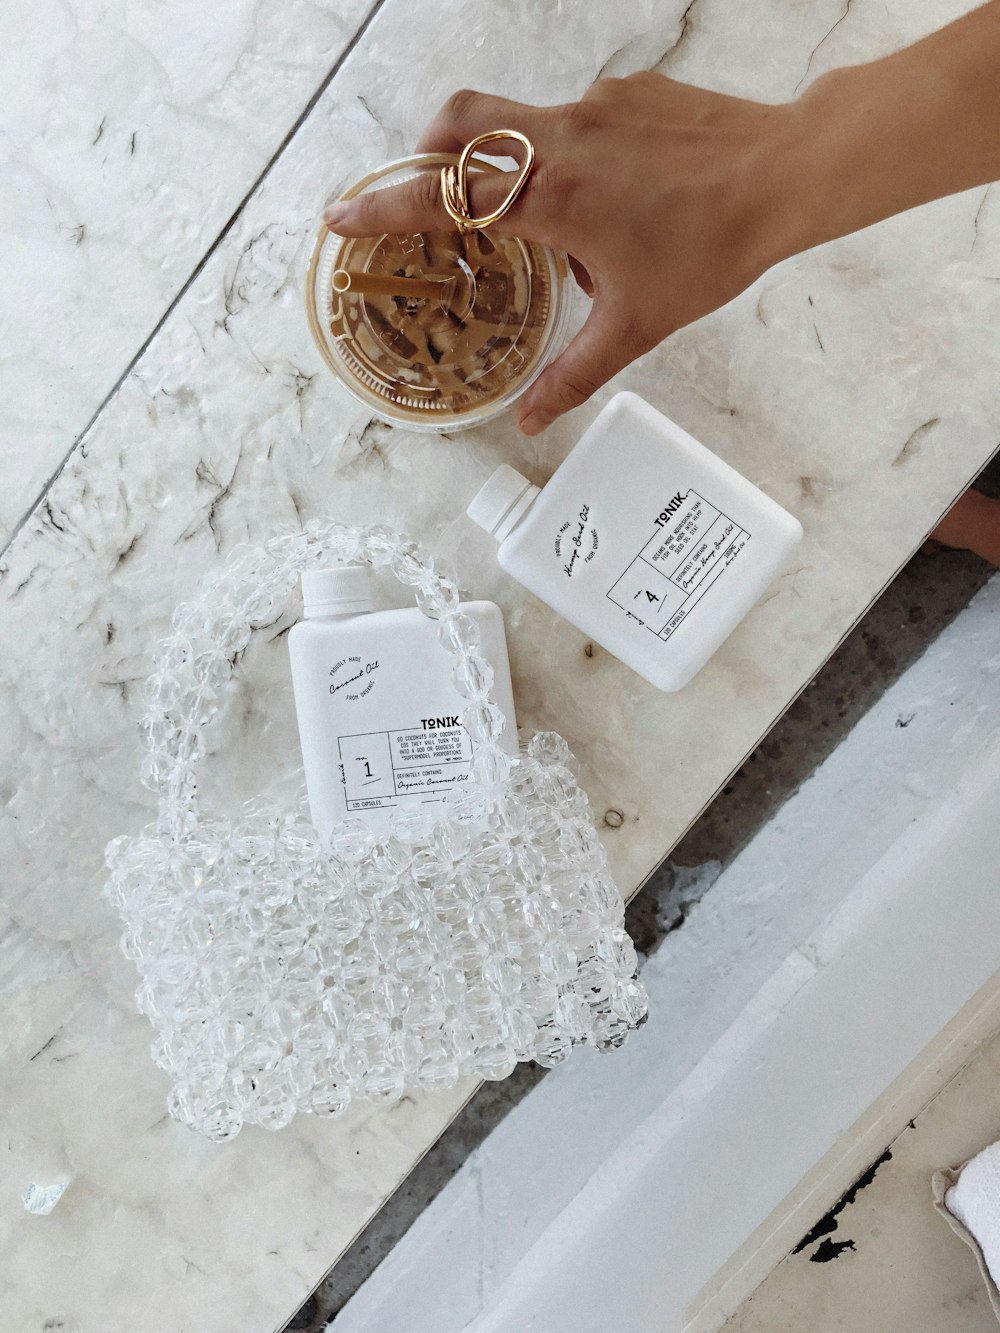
379, 284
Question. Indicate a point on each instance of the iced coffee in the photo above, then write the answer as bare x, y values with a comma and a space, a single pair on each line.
438, 329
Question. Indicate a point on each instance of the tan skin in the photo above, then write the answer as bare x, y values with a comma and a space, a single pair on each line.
671, 199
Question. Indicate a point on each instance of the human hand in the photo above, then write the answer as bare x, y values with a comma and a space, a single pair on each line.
665, 197
670, 200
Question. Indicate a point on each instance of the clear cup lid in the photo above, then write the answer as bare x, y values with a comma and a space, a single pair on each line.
438, 329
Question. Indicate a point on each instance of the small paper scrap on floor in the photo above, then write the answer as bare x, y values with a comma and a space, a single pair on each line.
43, 1198
969, 1199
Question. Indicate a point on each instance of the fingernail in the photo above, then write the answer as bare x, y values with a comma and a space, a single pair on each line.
334, 214
536, 421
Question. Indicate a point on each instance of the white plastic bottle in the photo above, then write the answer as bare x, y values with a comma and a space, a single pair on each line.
377, 708
643, 539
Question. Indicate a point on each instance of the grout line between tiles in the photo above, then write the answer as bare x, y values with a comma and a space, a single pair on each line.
199, 267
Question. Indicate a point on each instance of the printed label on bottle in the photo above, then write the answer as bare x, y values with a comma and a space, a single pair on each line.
425, 761
576, 542
353, 677
692, 546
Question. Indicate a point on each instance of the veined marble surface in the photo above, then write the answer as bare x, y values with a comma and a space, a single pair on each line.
855, 384
129, 133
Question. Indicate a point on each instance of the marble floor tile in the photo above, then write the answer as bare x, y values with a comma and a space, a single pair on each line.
129, 134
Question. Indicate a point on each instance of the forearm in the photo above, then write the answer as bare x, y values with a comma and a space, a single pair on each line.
877, 139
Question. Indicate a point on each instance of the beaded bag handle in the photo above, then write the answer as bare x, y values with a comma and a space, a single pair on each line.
254, 588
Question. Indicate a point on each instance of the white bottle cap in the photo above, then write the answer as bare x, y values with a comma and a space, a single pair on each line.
337, 592
502, 502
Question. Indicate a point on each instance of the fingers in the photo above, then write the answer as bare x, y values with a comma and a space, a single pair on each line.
416, 206
607, 343
467, 114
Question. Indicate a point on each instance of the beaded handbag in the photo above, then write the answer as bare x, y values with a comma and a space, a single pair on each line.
282, 974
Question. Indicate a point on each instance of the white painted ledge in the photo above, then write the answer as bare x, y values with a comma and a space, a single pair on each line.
832, 952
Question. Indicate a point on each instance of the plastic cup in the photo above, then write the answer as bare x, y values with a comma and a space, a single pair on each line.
448, 356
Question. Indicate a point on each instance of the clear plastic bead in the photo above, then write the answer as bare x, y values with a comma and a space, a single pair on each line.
473, 678
459, 633
483, 721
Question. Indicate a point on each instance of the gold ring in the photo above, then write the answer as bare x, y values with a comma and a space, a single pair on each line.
455, 183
